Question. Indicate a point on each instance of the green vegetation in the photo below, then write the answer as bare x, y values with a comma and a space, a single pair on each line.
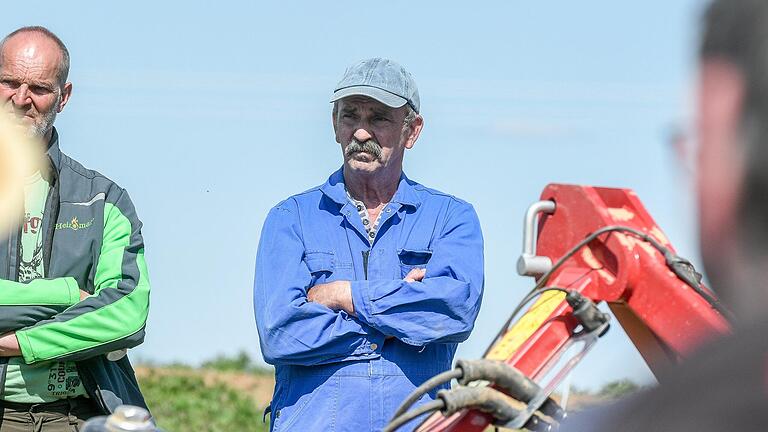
183, 403
227, 393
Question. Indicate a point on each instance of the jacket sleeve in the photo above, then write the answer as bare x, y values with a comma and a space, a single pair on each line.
23, 304
115, 315
291, 329
444, 305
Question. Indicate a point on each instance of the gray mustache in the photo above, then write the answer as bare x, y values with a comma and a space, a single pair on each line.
371, 147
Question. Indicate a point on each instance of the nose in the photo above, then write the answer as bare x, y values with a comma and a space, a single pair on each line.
21, 96
362, 135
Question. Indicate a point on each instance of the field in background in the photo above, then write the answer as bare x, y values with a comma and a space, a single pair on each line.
230, 393
224, 394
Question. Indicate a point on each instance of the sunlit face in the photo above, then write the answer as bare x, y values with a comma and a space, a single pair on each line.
29, 87
371, 134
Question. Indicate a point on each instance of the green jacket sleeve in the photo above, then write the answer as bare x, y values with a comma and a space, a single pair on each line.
24, 304
40, 292
115, 315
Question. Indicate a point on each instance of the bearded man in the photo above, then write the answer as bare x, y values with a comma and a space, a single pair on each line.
74, 291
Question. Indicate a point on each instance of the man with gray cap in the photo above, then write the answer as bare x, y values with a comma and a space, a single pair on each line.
366, 284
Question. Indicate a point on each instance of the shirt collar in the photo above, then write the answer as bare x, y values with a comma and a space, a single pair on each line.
335, 190
53, 149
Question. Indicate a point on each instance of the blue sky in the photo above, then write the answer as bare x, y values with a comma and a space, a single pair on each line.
209, 113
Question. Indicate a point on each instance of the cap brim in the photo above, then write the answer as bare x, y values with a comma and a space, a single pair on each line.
383, 96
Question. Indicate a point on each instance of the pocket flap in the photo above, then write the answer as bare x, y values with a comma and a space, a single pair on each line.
414, 257
319, 261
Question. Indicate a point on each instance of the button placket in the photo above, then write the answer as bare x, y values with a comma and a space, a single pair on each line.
348, 215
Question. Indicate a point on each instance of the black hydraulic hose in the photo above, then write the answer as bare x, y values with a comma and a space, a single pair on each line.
402, 419
507, 377
513, 382
484, 399
428, 385
489, 401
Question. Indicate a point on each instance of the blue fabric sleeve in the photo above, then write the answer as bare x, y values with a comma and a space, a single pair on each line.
444, 305
291, 329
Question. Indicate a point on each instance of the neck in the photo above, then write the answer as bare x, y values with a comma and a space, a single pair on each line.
46, 139
374, 190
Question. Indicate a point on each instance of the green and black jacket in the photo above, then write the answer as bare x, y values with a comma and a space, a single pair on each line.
92, 241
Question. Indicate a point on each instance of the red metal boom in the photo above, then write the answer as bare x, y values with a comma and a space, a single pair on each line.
663, 316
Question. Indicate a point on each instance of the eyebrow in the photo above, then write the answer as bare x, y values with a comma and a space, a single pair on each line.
382, 112
351, 109
31, 83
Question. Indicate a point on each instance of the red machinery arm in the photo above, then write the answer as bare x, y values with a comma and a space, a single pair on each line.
664, 316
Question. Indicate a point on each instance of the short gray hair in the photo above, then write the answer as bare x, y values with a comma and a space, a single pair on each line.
62, 71
410, 117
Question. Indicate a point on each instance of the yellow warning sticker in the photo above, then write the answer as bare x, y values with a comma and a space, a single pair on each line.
526, 325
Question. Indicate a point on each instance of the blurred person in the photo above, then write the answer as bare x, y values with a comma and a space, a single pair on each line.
366, 284
73, 281
724, 386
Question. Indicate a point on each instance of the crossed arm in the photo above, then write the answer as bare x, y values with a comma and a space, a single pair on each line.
9, 343
304, 324
55, 319
337, 295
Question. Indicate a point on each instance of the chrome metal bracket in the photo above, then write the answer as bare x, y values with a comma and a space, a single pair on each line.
529, 264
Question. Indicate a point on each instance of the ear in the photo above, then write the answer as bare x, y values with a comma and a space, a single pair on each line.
721, 162
335, 129
415, 130
66, 92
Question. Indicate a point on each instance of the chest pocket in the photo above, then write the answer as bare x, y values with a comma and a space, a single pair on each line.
321, 265
410, 259
326, 266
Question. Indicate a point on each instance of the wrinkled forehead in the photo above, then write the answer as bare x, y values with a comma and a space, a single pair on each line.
31, 49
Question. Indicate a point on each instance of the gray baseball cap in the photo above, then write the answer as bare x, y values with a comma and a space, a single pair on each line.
380, 79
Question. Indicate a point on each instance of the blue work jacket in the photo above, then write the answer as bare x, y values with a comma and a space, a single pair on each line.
337, 372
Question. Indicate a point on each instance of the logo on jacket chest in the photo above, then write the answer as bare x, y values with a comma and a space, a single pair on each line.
74, 224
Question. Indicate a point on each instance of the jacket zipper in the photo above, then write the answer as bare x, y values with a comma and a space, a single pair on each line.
15, 263
366, 254
52, 207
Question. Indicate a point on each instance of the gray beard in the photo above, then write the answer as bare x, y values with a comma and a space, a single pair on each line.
371, 147
39, 130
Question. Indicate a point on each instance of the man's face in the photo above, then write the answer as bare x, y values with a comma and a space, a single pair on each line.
720, 165
29, 87
371, 134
